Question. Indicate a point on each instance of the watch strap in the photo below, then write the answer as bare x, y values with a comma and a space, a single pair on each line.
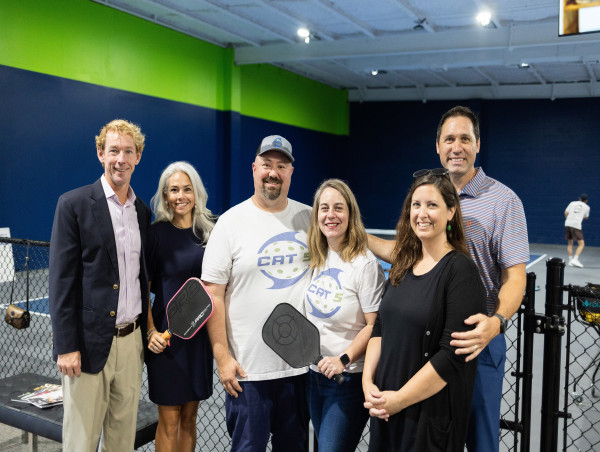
502, 322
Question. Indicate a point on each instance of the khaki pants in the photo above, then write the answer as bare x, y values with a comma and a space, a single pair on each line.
107, 402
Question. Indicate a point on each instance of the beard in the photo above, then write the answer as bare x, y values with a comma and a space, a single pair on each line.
272, 194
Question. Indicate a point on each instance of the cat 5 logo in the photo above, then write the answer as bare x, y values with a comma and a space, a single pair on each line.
325, 294
283, 259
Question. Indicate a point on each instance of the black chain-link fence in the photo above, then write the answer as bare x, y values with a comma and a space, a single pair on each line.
511, 397
581, 428
24, 284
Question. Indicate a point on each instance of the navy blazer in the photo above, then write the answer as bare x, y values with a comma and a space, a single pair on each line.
84, 275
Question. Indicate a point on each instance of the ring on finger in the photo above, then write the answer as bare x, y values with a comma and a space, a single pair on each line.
155, 348
476, 347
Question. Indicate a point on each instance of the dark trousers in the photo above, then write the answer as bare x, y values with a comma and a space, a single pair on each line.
276, 407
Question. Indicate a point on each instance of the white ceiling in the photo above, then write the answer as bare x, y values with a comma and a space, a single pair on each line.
429, 49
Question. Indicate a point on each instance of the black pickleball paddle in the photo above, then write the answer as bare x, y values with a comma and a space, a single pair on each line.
188, 310
294, 338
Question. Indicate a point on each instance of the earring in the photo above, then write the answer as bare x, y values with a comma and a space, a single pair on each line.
449, 227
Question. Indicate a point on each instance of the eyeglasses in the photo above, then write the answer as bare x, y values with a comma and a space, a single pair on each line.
425, 172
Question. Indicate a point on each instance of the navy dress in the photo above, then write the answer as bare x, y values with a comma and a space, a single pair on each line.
183, 372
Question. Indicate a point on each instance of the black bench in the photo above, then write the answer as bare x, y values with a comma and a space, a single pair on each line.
47, 422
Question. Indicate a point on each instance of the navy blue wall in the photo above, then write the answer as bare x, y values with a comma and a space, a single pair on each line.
48, 124
546, 151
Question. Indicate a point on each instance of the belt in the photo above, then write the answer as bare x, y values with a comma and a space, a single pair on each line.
124, 330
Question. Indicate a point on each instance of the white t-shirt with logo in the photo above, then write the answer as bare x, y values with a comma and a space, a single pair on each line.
263, 259
337, 298
577, 211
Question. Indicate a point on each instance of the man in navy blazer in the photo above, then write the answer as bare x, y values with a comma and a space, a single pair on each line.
99, 297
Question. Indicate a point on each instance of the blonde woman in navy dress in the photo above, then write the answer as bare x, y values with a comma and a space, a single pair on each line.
179, 374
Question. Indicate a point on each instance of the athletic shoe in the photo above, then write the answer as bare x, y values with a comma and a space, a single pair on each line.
570, 261
576, 262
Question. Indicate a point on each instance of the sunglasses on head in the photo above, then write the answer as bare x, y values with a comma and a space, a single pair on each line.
426, 172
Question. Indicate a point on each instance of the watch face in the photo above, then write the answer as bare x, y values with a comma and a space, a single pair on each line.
345, 359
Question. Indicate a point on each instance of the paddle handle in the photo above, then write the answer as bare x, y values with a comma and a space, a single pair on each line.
166, 335
339, 378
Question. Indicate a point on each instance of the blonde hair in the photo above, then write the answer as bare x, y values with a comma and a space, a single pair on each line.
203, 220
124, 127
355, 242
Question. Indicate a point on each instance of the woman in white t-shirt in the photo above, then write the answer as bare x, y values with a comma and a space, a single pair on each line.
342, 300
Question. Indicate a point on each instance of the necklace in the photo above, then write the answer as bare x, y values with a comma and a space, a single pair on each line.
179, 227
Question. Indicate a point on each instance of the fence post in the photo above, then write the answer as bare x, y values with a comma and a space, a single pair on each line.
553, 329
528, 332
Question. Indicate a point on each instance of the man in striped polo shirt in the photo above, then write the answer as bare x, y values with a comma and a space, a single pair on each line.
496, 233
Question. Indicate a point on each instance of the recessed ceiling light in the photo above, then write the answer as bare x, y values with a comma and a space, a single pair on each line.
303, 32
374, 72
484, 18
524, 65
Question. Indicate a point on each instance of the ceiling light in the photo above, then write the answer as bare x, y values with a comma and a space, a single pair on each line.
484, 18
524, 65
303, 32
374, 72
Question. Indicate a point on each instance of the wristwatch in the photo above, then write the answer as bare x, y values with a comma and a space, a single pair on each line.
345, 360
502, 322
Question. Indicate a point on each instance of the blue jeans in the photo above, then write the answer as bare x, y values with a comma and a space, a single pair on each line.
265, 407
336, 411
484, 423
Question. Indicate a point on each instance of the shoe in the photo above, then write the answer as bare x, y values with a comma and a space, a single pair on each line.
570, 261
575, 262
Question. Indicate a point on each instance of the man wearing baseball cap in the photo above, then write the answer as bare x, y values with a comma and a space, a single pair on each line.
256, 258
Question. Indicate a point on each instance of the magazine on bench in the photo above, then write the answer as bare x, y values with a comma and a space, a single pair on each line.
43, 396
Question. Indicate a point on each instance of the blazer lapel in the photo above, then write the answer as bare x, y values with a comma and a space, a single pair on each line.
102, 216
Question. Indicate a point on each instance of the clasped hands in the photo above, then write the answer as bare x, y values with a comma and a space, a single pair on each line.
382, 404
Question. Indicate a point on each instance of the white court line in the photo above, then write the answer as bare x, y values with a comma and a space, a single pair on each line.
393, 232
381, 231
535, 261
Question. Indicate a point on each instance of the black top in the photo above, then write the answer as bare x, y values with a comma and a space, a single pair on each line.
183, 371
415, 321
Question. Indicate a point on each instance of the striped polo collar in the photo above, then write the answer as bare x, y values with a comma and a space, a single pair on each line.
474, 185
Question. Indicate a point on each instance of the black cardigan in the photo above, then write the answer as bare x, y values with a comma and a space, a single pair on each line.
444, 417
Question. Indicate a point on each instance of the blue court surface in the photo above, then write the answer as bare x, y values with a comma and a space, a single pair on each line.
39, 305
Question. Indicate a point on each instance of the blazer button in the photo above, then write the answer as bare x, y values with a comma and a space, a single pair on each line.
427, 333
426, 355
115, 286
113, 313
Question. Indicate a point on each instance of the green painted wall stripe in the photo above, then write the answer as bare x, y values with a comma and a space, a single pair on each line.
88, 42
290, 95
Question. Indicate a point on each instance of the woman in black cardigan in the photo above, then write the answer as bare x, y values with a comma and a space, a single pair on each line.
417, 390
